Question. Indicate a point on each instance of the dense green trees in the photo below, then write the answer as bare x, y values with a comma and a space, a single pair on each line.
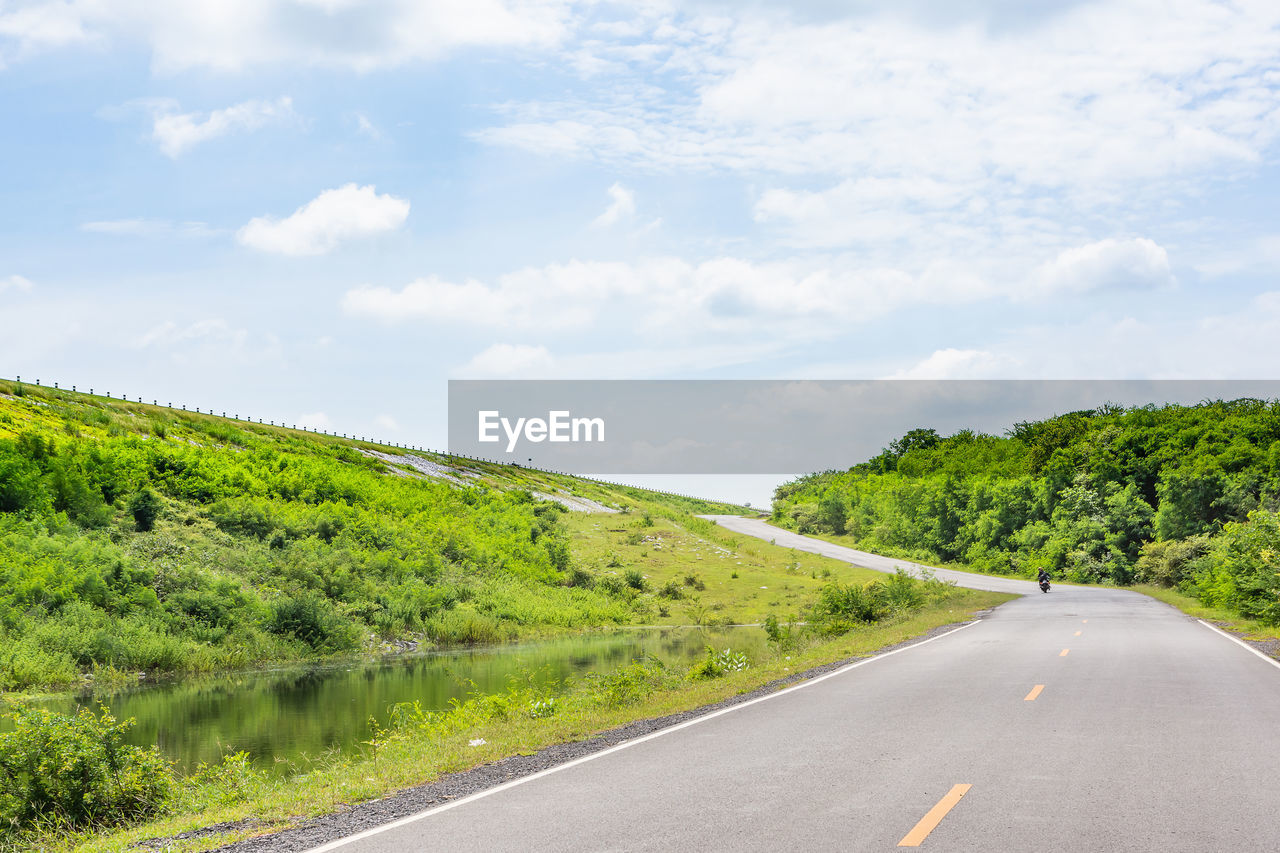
1173, 494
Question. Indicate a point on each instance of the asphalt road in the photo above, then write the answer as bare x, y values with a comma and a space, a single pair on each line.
1087, 719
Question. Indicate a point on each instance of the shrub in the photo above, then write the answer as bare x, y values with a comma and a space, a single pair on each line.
634, 578
77, 770
902, 592
145, 508
717, 664
692, 580
580, 577
230, 781
627, 684
671, 590
1242, 568
305, 618
839, 606
1170, 563
611, 585
780, 635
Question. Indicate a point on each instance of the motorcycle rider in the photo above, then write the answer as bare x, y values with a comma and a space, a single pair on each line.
1043, 579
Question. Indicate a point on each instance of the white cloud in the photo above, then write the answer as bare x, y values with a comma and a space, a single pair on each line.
148, 228
1235, 344
15, 282
42, 26
233, 35
176, 132
387, 422
622, 205
960, 364
869, 210
1102, 92
1105, 265
934, 141
670, 297
345, 213
366, 127
209, 343
169, 334
315, 420
1254, 255
509, 361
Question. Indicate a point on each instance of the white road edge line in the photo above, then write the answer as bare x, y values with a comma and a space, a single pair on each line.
1241, 643
434, 810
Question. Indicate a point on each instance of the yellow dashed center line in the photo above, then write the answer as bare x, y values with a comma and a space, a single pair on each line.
1035, 691
1064, 653
927, 823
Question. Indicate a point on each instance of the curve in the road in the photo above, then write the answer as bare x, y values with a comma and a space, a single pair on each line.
785, 538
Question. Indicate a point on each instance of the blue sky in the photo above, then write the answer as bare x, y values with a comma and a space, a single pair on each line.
318, 211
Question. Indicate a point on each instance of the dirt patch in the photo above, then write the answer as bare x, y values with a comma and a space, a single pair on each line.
574, 503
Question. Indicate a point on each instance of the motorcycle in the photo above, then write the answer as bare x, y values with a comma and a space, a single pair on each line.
1044, 586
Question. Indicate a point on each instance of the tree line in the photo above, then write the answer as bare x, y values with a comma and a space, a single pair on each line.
1177, 495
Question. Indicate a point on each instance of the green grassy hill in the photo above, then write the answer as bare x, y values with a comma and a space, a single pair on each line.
141, 538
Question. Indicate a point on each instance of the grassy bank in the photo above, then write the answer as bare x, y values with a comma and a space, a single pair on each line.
419, 746
688, 571
1249, 629
137, 538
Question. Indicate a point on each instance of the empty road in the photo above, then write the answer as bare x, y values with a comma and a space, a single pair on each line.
1081, 720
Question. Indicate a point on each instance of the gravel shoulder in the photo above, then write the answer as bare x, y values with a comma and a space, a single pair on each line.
1269, 647
367, 815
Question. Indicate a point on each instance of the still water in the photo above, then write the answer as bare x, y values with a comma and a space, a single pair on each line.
282, 717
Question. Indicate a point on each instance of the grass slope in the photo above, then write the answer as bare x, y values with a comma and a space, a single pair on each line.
139, 538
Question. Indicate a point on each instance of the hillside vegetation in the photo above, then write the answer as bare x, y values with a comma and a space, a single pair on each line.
1180, 496
139, 538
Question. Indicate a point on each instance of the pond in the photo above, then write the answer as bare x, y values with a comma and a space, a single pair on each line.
283, 716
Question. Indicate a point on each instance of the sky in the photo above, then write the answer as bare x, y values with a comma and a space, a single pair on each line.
319, 211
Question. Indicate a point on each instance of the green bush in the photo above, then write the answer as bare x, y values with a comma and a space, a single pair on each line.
305, 618
145, 507
839, 605
671, 590
626, 684
1242, 568
784, 636
717, 664
902, 592
1170, 563
77, 770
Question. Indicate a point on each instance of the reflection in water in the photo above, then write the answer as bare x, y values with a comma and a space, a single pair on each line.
285, 716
